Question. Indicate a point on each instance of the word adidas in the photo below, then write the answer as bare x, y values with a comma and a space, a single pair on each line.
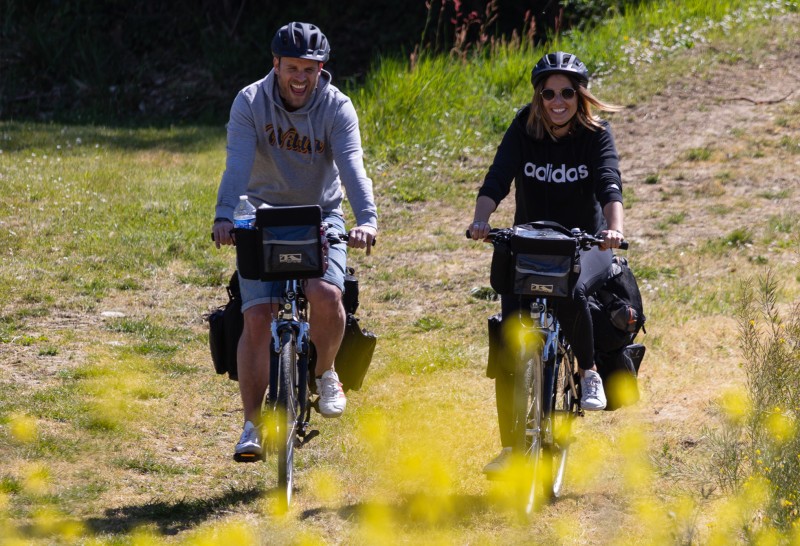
546, 173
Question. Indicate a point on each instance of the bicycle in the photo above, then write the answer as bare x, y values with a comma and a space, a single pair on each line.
287, 404
546, 399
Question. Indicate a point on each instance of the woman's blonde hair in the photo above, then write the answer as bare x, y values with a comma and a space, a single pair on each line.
538, 126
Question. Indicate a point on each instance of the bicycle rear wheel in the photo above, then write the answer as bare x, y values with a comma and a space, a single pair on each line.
287, 409
528, 448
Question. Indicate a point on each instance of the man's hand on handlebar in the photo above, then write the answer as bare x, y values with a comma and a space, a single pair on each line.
221, 232
362, 237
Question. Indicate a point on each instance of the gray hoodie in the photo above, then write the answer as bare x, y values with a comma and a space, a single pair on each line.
295, 158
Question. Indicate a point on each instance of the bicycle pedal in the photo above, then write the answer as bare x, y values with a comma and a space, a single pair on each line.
565, 442
247, 457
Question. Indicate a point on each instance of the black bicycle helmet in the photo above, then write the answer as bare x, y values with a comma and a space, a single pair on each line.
559, 63
301, 41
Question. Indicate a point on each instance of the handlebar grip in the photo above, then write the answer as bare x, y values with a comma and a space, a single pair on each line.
623, 245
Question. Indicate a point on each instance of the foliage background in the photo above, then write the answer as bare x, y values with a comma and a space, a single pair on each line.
182, 61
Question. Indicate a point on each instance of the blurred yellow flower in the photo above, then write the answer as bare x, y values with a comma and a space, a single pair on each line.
735, 404
781, 427
23, 428
36, 479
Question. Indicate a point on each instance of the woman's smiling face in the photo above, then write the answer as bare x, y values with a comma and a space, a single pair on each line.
559, 111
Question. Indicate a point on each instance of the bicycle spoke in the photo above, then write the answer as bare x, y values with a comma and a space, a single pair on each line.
528, 426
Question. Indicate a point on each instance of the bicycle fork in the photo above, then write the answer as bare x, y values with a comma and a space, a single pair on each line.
289, 318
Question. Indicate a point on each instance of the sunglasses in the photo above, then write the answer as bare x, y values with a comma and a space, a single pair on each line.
567, 93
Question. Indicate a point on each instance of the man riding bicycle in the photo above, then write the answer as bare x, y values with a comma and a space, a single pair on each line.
293, 139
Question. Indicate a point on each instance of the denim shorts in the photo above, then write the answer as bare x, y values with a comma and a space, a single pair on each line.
255, 292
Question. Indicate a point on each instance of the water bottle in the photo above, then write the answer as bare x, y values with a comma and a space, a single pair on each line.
244, 215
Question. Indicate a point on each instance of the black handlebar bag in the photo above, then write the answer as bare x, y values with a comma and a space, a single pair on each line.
539, 259
286, 244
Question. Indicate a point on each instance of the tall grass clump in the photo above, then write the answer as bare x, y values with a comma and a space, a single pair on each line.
441, 104
758, 445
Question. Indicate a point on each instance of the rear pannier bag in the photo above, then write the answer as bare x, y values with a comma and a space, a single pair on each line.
286, 244
619, 371
225, 325
545, 260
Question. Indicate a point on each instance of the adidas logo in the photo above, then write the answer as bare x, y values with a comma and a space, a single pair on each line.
559, 175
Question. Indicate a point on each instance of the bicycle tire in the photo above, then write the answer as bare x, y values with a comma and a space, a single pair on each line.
287, 409
528, 447
564, 412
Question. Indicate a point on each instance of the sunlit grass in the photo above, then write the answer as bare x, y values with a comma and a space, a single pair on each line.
108, 269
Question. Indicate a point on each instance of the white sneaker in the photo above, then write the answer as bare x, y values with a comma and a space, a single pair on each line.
593, 397
499, 464
332, 400
249, 447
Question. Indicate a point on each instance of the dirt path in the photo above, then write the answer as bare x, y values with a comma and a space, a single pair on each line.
730, 112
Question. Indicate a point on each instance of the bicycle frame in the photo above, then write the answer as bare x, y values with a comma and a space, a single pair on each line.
288, 400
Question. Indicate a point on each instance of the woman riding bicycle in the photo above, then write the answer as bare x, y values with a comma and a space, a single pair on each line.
565, 169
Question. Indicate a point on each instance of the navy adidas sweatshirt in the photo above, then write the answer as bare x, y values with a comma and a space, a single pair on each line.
567, 181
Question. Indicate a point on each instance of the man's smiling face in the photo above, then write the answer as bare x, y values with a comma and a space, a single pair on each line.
297, 79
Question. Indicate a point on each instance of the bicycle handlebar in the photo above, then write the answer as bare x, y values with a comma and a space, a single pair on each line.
333, 238
581, 237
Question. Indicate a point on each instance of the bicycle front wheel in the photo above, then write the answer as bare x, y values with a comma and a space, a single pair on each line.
528, 448
287, 409
565, 410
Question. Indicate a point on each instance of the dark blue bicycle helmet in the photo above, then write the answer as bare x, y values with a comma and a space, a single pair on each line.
301, 41
560, 63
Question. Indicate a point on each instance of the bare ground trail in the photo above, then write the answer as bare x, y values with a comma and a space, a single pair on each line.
694, 159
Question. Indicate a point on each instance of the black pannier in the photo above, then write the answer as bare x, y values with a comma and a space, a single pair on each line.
358, 344
286, 244
355, 354
620, 371
225, 327
617, 317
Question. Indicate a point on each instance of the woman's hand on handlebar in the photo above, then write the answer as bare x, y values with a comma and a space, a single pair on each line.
221, 233
479, 230
611, 239
362, 237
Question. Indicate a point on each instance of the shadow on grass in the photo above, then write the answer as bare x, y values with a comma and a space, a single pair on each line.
171, 518
68, 139
420, 509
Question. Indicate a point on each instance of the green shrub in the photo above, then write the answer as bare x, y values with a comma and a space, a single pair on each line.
760, 437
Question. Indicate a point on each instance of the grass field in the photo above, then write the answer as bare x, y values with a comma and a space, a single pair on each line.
114, 428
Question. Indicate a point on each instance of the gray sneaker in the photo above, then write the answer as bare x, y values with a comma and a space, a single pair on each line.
249, 447
499, 465
332, 400
593, 397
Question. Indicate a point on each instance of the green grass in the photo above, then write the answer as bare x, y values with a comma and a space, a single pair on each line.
108, 269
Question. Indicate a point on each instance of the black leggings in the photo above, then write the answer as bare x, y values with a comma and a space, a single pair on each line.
576, 321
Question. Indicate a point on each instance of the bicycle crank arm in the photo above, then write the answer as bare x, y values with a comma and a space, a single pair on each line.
307, 437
